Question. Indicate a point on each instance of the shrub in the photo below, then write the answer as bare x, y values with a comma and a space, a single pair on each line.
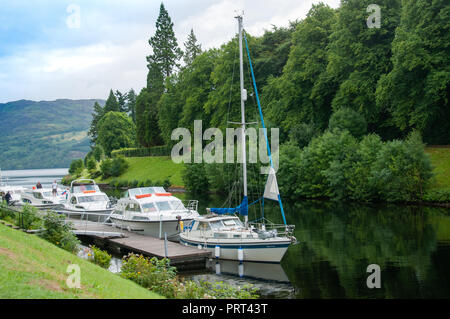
58, 232
76, 166
166, 184
29, 218
100, 257
160, 277
113, 167
195, 178
348, 119
303, 133
91, 164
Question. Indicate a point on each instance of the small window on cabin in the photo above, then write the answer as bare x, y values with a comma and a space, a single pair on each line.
148, 208
163, 206
38, 195
204, 226
73, 200
216, 225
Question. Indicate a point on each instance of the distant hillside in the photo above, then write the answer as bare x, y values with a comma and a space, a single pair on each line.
45, 134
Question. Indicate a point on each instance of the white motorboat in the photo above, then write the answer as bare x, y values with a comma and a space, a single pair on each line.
87, 201
14, 191
42, 198
226, 236
153, 212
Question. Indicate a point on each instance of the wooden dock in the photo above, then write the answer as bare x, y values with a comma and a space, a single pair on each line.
180, 256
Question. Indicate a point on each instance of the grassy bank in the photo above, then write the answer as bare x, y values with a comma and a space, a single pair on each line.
440, 159
155, 168
32, 268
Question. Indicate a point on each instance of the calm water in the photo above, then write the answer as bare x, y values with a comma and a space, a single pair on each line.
337, 242
29, 178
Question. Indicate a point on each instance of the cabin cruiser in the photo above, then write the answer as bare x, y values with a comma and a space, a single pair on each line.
153, 212
42, 198
228, 238
14, 191
87, 201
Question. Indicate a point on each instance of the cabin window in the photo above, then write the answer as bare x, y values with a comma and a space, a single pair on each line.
204, 226
177, 205
133, 208
140, 218
73, 200
148, 208
94, 198
38, 195
216, 225
163, 206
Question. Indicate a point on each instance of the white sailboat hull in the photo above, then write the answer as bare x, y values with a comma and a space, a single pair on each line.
268, 250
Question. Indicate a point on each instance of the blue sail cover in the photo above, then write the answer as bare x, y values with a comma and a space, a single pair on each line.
241, 209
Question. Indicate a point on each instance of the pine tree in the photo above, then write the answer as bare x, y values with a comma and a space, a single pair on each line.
166, 52
192, 49
96, 116
121, 101
111, 104
131, 104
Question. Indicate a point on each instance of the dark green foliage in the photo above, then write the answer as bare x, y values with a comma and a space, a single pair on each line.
301, 134
113, 167
416, 90
193, 49
58, 232
98, 153
115, 131
143, 152
29, 218
76, 166
91, 164
195, 178
350, 120
111, 104
165, 48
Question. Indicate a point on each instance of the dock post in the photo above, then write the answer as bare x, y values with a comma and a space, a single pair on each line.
160, 226
165, 245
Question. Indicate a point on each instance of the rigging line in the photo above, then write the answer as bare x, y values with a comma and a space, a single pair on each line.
264, 126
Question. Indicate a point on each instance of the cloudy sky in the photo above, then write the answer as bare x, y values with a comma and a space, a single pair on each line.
76, 49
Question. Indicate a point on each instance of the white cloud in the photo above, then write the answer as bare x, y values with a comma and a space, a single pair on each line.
109, 49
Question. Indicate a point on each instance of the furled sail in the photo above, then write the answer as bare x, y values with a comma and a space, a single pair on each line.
241, 209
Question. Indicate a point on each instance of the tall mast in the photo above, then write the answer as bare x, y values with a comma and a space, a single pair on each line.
243, 99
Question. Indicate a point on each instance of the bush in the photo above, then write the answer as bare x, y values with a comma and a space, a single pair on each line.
348, 119
76, 166
100, 257
160, 277
113, 167
29, 218
437, 195
58, 232
303, 133
91, 164
195, 178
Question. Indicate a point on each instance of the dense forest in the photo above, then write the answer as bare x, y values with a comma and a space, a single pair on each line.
351, 100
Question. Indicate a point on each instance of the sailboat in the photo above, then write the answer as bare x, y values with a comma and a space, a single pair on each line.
225, 235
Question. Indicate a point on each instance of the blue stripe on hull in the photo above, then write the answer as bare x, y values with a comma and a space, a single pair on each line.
233, 246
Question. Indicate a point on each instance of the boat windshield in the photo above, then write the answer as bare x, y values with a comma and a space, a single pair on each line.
47, 194
94, 198
84, 188
148, 208
163, 206
177, 205
216, 225
145, 190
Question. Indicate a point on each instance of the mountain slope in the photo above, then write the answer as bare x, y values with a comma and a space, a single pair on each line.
45, 134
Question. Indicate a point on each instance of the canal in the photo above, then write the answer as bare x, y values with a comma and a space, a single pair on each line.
337, 241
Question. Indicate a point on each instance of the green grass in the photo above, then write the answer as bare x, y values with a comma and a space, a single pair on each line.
32, 268
440, 159
154, 168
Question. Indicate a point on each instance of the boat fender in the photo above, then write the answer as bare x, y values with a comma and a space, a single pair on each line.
217, 251
240, 254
